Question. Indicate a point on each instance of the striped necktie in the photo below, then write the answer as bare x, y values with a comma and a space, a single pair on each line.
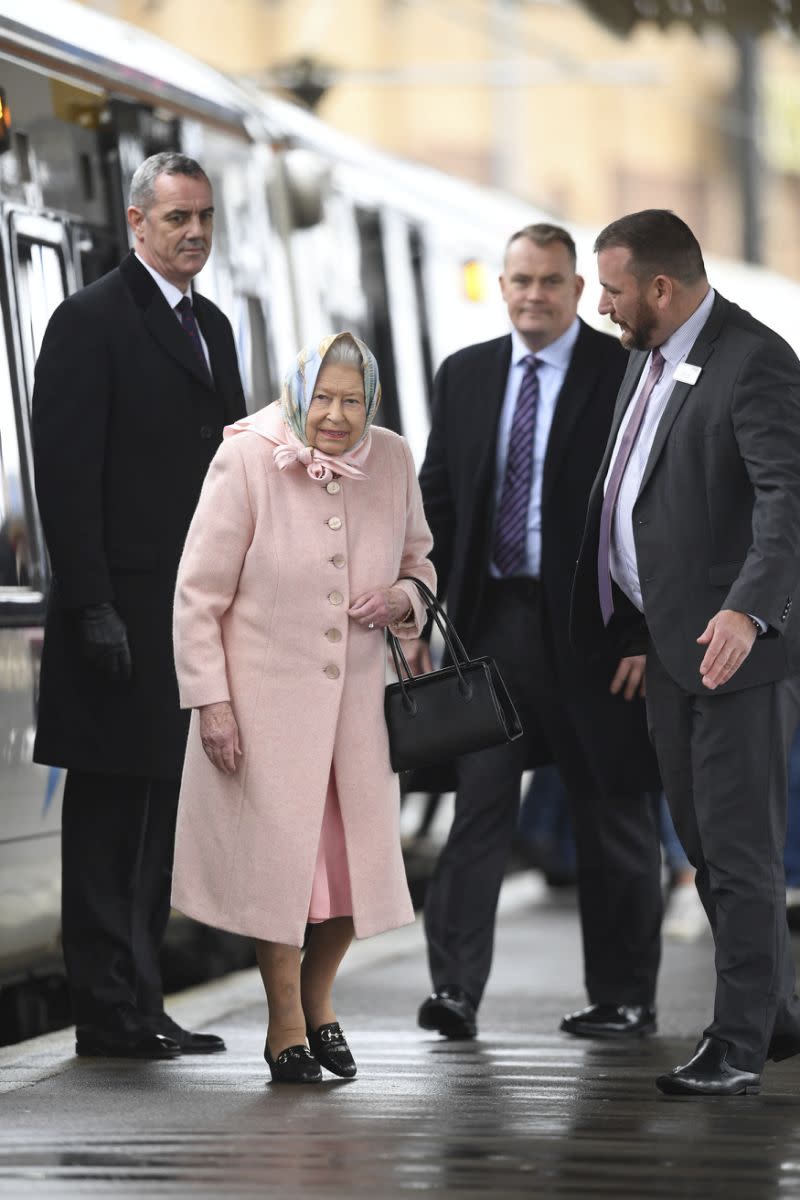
511, 525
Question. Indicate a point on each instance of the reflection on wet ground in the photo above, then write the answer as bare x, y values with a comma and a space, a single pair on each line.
522, 1111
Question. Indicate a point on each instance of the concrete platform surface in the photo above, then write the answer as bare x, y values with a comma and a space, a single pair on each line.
522, 1111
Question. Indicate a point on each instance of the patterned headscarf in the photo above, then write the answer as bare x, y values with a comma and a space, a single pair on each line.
300, 381
287, 431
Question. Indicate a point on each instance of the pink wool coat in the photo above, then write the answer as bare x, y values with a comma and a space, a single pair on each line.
271, 563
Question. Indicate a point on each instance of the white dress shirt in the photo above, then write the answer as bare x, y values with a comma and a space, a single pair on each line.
553, 363
624, 569
173, 295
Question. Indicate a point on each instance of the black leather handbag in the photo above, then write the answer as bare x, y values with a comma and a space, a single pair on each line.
434, 718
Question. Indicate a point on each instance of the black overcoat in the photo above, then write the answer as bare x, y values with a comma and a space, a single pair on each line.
125, 424
458, 489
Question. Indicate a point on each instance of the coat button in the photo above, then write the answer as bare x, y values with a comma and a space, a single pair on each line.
335, 597
206, 431
334, 522
333, 487
332, 671
333, 635
338, 560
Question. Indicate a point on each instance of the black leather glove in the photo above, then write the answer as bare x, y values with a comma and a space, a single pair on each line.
104, 641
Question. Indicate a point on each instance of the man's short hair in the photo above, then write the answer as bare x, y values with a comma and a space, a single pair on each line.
169, 162
545, 235
659, 243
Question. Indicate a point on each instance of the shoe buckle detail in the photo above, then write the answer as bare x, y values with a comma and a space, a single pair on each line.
292, 1052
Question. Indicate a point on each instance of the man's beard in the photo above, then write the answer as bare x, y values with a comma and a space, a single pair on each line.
639, 334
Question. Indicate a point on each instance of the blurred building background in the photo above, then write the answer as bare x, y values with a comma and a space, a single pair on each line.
587, 110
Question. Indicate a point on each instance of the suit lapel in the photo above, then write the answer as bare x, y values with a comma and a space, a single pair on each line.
573, 397
481, 407
222, 375
488, 393
698, 356
626, 389
160, 320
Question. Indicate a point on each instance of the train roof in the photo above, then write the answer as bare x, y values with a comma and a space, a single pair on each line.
66, 37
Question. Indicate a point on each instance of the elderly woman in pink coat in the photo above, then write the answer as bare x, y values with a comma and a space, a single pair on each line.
289, 810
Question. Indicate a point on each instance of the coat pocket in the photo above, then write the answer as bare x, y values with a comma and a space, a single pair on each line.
723, 573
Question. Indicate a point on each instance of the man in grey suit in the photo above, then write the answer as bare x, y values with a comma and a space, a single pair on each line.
691, 554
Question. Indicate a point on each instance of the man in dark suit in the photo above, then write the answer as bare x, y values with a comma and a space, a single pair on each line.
136, 378
517, 431
692, 554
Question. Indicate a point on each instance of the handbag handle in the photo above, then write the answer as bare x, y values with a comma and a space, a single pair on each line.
451, 639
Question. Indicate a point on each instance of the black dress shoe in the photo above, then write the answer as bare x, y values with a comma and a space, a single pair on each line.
188, 1042
709, 1074
450, 1012
330, 1049
98, 1043
295, 1064
611, 1021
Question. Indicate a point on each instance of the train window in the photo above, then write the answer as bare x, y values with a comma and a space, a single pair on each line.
41, 286
17, 544
378, 334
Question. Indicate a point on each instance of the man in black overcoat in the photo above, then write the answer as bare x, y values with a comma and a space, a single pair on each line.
518, 429
692, 554
136, 378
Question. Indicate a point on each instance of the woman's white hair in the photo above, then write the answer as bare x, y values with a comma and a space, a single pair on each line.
344, 352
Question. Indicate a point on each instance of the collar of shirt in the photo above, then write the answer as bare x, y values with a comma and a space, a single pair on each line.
557, 354
172, 294
677, 346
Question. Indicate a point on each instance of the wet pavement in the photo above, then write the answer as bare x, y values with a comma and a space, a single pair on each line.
522, 1111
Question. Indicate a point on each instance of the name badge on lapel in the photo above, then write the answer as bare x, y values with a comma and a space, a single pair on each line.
686, 373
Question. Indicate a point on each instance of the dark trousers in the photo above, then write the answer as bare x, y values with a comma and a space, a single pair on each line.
616, 832
118, 836
723, 762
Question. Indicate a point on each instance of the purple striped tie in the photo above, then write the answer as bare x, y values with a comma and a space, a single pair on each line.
626, 445
511, 526
184, 310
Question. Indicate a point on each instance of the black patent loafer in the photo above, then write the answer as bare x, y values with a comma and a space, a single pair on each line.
188, 1042
450, 1012
611, 1021
330, 1049
295, 1064
101, 1044
709, 1073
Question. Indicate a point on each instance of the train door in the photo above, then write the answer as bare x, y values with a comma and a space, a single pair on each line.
403, 310
36, 273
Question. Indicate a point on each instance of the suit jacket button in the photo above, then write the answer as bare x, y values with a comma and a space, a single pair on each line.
333, 635
335, 597
334, 522
332, 671
206, 431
